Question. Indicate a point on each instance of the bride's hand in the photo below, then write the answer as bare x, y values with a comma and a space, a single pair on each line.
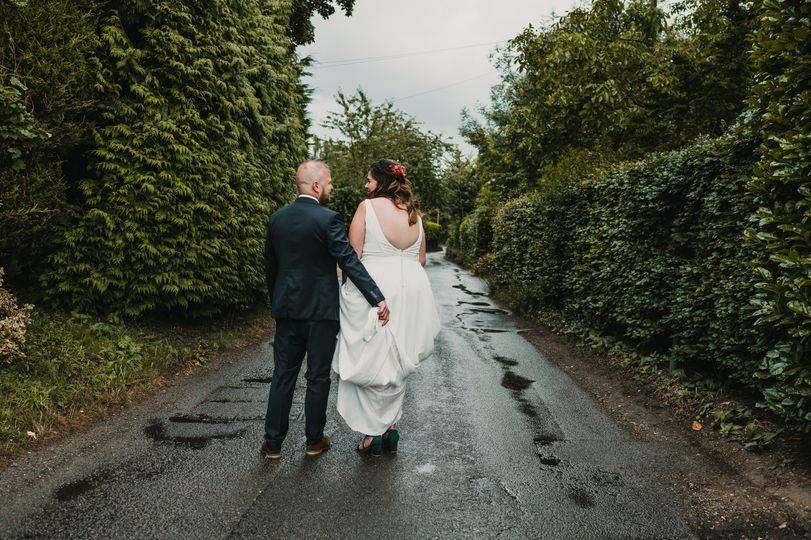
383, 312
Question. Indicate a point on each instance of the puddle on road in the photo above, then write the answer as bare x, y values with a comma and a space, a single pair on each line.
263, 380
542, 425
83, 486
549, 459
156, 430
463, 288
479, 304
581, 497
545, 439
527, 408
482, 333
514, 382
490, 311
504, 361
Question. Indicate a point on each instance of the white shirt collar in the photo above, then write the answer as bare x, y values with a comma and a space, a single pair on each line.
310, 196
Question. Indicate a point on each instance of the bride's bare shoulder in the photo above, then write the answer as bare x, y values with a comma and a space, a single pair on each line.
384, 203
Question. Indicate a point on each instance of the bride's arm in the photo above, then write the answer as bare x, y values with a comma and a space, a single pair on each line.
357, 230
422, 247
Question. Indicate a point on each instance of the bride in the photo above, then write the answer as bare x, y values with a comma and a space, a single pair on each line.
373, 359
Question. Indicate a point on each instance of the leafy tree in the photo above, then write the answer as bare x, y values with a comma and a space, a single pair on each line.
612, 77
463, 185
368, 132
301, 29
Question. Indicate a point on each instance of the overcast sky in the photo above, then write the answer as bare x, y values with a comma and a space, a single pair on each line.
388, 27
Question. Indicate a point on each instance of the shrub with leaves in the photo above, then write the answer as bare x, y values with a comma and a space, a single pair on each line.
781, 227
527, 267
14, 322
18, 128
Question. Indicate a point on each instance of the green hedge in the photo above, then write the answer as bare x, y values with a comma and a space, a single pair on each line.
781, 227
49, 46
474, 236
536, 257
651, 253
186, 135
433, 234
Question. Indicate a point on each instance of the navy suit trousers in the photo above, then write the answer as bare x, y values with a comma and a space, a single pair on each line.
293, 339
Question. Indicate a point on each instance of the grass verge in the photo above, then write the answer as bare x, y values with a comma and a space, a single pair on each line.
77, 367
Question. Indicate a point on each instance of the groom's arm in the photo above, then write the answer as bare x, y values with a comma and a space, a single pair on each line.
338, 245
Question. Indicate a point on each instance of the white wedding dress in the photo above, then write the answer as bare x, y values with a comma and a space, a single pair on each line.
372, 360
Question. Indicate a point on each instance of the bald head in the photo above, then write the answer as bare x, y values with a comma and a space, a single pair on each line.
313, 178
309, 172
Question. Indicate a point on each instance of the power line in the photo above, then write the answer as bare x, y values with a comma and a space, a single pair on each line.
409, 53
369, 59
438, 88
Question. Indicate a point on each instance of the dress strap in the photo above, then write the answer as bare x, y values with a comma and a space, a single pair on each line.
370, 210
371, 216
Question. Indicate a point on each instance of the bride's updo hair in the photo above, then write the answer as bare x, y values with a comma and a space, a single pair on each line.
393, 185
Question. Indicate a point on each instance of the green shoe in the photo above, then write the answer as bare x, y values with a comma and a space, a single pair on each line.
375, 447
390, 440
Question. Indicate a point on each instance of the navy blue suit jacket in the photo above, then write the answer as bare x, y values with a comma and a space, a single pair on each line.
304, 242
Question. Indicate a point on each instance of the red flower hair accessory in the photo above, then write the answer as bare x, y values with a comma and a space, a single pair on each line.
397, 170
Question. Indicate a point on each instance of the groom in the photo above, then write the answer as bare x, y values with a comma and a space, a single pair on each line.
304, 242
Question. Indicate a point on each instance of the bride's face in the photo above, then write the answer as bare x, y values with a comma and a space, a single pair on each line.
371, 184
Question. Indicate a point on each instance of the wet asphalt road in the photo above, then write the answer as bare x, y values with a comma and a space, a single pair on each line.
496, 441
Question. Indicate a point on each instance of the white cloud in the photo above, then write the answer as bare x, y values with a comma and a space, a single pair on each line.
389, 27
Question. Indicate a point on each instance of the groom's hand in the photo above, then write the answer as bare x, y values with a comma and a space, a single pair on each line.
383, 312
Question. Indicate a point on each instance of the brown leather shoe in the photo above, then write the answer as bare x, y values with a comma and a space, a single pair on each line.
268, 453
319, 447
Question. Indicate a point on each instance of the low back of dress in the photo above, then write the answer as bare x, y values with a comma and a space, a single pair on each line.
376, 244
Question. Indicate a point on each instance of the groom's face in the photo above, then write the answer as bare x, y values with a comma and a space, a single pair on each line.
325, 188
